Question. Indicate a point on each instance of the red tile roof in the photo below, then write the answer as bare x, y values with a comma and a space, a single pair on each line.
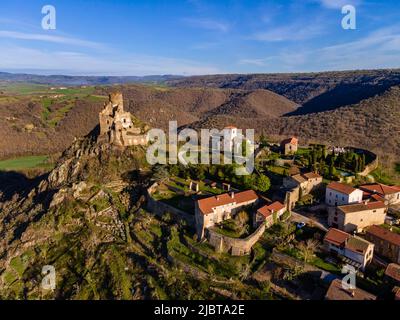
384, 234
337, 237
393, 271
380, 188
346, 240
230, 127
337, 292
341, 187
291, 140
266, 211
206, 205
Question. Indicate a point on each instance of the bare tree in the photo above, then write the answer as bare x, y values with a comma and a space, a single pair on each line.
307, 249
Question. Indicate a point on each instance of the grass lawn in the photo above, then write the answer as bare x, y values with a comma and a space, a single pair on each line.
228, 228
384, 176
303, 151
277, 170
27, 162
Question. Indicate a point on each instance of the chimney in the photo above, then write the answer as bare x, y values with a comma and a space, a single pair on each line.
233, 195
217, 198
352, 293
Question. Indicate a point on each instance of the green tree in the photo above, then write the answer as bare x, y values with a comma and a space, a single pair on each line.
263, 183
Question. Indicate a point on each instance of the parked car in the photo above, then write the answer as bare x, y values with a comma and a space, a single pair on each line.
300, 225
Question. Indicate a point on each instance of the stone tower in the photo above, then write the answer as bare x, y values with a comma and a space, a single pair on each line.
116, 126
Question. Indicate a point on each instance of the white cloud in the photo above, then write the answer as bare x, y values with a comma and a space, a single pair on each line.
207, 24
74, 63
48, 38
380, 49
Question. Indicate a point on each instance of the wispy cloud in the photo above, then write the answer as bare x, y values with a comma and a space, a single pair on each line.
48, 38
75, 63
207, 24
383, 45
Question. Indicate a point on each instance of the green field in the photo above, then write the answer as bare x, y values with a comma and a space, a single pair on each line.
22, 163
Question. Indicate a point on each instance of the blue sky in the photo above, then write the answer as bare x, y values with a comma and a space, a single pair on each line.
191, 37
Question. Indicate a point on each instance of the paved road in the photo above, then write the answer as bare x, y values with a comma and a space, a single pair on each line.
297, 217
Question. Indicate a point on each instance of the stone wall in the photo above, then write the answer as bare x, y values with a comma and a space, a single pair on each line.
234, 246
370, 166
160, 208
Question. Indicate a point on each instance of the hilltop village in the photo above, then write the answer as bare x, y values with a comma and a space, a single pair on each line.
316, 205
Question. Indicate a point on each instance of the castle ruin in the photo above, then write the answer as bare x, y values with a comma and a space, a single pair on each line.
116, 125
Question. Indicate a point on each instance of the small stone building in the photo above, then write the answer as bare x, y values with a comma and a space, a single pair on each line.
353, 250
289, 146
268, 213
116, 125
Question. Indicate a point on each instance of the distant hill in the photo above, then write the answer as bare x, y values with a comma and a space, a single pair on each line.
373, 124
360, 108
83, 80
47, 122
316, 92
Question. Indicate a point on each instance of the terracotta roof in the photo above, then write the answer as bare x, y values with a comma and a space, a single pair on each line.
206, 205
341, 187
393, 271
357, 207
312, 175
377, 197
380, 188
384, 234
344, 239
230, 127
337, 292
336, 237
291, 140
266, 211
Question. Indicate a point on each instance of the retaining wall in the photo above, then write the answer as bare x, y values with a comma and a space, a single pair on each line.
234, 246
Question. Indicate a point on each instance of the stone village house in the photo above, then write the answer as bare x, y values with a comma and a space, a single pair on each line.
215, 209
353, 250
356, 217
391, 194
338, 194
289, 146
337, 292
387, 243
307, 182
267, 214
